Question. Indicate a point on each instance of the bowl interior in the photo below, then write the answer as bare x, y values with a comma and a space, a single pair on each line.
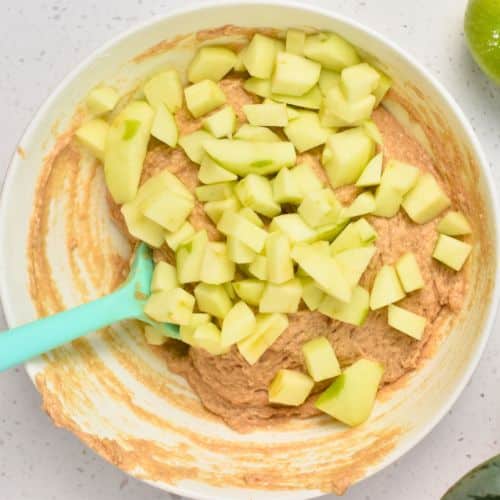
113, 391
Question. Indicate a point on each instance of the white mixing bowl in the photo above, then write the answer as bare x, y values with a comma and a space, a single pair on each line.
113, 391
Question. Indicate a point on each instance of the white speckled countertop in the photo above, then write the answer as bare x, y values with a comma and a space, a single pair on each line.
41, 41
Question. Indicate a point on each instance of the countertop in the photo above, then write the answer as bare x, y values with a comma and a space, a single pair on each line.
42, 40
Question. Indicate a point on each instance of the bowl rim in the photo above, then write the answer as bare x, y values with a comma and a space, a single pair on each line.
490, 312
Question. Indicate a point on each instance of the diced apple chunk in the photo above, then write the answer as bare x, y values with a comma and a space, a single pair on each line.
320, 359
239, 252
351, 396
312, 295
258, 86
203, 97
189, 258
216, 268
167, 209
400, 176
355, 312
359, 81
177, 238
451, 251
255, 192
238, 324
233, 224
212, 299
207, 336
310, 100
426, 200
286, 188
154, 336
215, 209
454, 224
257, 134
164, 277
173, 306
187, 331
247, 157
141, 227
363, 204
279, 262
306, 132
102, 99
306, 178
192, 144
409, 273
222, 123
164, 127
327, 80
93, 135
406, 321
215, 192
350, 152
295, 40
294, 227
351, 112
294, 75
126, 147
290, 387
165, 88
251, 216
260, 54
266, 115
382, 88
323, 270
388, 200
386, 288
267, 330
372, 130
249, 290
356, 234
319, 208
331, 51
372, 173
211, 172
258, 267
354, 262
282, 298
211, 63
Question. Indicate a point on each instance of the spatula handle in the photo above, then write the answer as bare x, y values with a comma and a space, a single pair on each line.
27, 341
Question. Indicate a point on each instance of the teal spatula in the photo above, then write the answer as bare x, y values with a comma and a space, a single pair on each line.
127, 302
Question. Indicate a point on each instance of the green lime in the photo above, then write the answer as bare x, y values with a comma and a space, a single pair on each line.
482, 31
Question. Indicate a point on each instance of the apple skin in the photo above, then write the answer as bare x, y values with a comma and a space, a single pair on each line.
482, 33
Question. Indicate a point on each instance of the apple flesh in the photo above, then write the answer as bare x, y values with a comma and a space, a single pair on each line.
216, 267
356, 234
221, 123
189, 258
290, 387
164, 277
233, 224
211, 172
255, 192
266, 115
294, 75
249, 290
164, 127
126, 148
355, 312
372, 173
93, 136
211, 63
182, 235
260, 55
306, 132
256, 134
101, 100
454, 224
279, 263
409, 273
295, 40
285, 187
192, 144
359, 81
165, 88
406, 321
282, 298
154, 336
351, 396
386, 288
268, 328
212, 299
331, 51
203, 97
173, 306
320, 359
238, 324
451, 252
